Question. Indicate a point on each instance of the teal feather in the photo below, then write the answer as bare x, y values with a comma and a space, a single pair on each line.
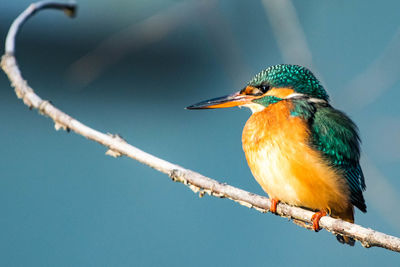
336, 137
267, 100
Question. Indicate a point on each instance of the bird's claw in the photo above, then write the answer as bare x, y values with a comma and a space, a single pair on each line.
274, 203
315, 220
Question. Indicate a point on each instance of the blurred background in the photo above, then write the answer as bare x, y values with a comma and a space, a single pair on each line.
130, 67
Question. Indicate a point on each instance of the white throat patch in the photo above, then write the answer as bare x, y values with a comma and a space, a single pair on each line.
254, 107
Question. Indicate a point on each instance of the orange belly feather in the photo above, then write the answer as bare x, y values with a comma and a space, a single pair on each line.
287, 168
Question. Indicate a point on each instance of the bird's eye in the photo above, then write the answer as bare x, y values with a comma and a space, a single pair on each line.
264, 88
255, 90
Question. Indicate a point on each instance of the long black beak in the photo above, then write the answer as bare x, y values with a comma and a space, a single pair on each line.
227, 101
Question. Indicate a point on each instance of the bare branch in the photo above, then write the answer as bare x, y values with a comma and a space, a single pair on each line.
195, 181
69, 8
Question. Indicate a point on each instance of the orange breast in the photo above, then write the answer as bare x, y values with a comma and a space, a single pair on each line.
287, 168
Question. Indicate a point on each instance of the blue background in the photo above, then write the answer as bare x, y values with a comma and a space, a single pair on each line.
130, 67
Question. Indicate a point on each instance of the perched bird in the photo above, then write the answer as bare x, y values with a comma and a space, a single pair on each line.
300, 149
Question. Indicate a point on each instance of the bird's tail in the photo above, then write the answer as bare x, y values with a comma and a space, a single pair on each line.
347, 216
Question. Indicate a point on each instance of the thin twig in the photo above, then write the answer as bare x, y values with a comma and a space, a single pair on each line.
195, 181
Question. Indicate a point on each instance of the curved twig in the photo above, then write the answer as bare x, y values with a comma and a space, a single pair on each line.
195, 181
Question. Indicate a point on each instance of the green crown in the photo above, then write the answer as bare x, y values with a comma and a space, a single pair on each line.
299, 78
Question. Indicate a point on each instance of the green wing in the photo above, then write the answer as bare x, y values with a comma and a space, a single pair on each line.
336, 136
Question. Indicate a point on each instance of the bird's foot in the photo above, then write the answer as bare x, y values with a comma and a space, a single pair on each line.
315, 220
274, 202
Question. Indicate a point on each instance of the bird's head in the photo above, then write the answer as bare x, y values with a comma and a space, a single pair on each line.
274, 84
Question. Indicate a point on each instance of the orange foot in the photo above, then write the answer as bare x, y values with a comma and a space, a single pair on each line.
315, 220
274, 202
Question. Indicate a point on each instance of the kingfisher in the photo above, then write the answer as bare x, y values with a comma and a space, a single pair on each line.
301, 150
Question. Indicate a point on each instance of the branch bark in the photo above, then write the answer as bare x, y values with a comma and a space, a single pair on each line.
195, 181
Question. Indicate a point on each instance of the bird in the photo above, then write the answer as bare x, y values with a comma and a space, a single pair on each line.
300, 149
